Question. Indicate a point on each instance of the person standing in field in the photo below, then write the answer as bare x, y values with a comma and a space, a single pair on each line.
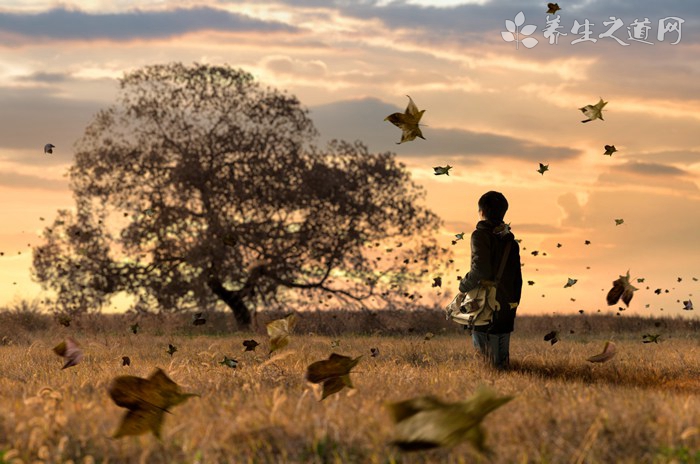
488, 244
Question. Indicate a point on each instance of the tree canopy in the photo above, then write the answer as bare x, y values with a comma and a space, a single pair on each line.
200, 185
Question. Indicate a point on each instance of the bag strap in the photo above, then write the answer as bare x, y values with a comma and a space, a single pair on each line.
503, 263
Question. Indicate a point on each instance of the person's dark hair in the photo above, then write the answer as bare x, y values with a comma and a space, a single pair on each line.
494, 205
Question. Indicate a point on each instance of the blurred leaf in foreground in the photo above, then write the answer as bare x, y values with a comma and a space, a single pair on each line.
334, 372
70, 350
426, 422
608, 353
147, 401
279, 331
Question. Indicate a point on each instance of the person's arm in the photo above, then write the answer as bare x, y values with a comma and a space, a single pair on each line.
481, 262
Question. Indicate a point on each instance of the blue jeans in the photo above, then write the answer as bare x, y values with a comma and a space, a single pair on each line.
494, 346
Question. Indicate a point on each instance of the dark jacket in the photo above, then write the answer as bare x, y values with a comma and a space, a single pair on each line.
487, 251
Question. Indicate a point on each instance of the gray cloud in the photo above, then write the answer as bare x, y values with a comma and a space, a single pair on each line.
651, 169
34, 117
669, 156
72, 24
16, 180
364, 120
45, 77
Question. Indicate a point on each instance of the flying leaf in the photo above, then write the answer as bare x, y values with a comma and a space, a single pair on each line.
70, 350
552, 8
570, 282
619, 221
147, 401
587, 242
437, 281
608, 353
439, 170
543, 168
199, 319
64, 320
230, 362
649, 338
334, 372
126, 361
688, 305
657, 291
408, 122
621, 288
552, 337
426, 422
279, 331
531, 282
250, 345
594, 111
171, 349
374, 352
429, 336
558, 245
135, 327
609, 149
48, 148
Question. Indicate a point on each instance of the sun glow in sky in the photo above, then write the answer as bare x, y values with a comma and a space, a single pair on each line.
492, 111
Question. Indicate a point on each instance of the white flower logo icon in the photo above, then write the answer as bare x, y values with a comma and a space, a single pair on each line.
514, 31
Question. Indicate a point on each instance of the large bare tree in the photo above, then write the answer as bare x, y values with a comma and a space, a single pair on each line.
200, 185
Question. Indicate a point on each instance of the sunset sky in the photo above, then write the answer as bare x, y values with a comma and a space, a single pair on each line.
493, 111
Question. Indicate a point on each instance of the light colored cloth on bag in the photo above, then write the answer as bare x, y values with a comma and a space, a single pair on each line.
475, 307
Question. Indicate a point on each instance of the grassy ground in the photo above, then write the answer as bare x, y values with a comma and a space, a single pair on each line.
643, 406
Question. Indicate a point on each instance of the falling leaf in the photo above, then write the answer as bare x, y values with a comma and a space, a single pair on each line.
408, 122
609, 149
688, 305
126, 361
621, 288
440, 170
48, 148
374, 352
552, 8
460, 236
580, 311
594, 111
657, 291
552, 337
171, 349
64, 320
558, 245
426, 422
543, 168
608, 353
250, 345
333, 372
279, 330
640, 280
587, 242
199, 319
70, 350
570, 282
649, 338
429, 336
335, 343
619, 221
531, 282
230, 362
147, 401
437, 281
135, 327
535, 253
679, 279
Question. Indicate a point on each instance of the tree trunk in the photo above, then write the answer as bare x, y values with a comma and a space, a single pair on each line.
234, 301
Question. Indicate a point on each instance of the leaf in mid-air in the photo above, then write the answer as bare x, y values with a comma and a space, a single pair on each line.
437, 281
570, 282
147, 401
552, 337
250, 345
440, 170
426, 422
279, 331
608, 353
558, 245
552, 8
70, 350
64, 320
135, 327
460, 236
531, 282
594, 111
619, 221
408, 122
374, 352
230, 362
171, 349
587, 242
649, 338
126, 361
621, 288
543, 168
334, 372
199, 319
48, 148
688, 305
609, 149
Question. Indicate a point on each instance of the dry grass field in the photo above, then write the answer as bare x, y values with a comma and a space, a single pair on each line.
641, 407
